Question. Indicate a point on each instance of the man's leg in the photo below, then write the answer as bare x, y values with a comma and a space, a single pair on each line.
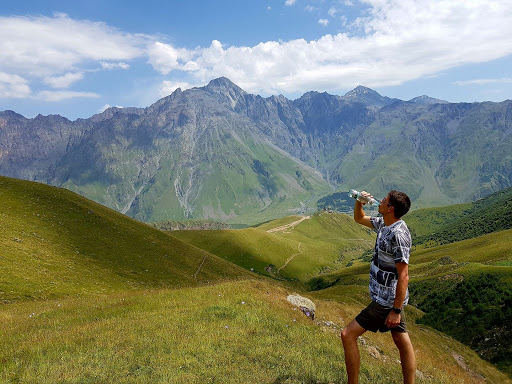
404, 345
349, 337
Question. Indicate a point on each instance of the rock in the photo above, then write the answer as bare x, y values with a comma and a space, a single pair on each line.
305, 305
374, 353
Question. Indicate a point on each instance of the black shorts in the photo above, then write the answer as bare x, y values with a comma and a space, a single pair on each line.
373, 318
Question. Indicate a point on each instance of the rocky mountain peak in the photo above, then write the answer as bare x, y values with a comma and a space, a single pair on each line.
8, 114
367, 96
227, 90
361, 91
224, 85
424, 99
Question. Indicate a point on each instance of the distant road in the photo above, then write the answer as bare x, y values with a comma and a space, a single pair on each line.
288, 226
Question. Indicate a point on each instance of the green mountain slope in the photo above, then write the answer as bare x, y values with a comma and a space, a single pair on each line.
190, 155
90, 295
234, 332
54, 243
458, 222
294, 248
439, 154
464, 287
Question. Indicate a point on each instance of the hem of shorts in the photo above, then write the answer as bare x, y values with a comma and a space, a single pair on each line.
364, 327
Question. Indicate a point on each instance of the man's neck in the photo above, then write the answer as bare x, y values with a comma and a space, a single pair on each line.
389, 220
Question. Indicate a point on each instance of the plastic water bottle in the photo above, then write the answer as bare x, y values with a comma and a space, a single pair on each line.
363, 199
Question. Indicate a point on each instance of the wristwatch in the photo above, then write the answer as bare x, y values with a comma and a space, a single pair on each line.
397, 310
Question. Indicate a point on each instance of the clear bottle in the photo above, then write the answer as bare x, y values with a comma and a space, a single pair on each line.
363, 199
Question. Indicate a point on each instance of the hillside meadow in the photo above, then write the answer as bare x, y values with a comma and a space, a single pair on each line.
89, 295
295, 247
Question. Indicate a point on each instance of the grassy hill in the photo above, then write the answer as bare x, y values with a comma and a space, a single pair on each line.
233, 332
433, 226
464, 287
316, 244
90, 295
54, 242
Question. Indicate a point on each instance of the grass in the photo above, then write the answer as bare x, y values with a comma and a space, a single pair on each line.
233, 332
435, 226
325, 242
425, 221
55, 243
90, 296
441, 274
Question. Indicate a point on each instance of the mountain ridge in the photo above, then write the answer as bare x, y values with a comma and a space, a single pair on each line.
218, 152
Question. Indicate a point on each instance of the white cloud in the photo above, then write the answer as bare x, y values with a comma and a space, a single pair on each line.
114, 65
399, 40
269, 8
310, 8
165, 58
332, 11
45, 46
167, 87
58, 50
348, 3
289, 2
13, 86
63, 81
64, 95
483, 81
323, 22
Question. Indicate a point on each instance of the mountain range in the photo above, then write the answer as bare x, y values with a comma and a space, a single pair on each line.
218, 152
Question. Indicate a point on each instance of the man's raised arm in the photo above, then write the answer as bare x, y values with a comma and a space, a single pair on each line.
359, 215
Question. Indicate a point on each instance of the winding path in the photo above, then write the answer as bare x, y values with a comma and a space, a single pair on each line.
290, 258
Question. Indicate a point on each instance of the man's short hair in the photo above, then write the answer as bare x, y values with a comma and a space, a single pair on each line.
400, 201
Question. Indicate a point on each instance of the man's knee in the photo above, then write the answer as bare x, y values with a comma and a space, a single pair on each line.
344, 334
401, 339
351, 332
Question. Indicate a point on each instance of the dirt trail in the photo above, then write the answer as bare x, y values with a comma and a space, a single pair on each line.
289, 226
290, 258
200, 266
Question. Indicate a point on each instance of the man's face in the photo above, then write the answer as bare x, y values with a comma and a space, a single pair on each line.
384, 206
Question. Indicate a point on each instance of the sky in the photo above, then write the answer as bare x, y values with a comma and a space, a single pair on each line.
76, 58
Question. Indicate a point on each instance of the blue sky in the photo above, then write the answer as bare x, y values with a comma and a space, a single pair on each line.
75, 58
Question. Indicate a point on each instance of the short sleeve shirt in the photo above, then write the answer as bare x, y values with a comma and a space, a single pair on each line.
392, 246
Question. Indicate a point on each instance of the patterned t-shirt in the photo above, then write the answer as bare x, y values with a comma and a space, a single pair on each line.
392, 246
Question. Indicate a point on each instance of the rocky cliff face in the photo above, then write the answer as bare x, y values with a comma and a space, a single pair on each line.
218, 152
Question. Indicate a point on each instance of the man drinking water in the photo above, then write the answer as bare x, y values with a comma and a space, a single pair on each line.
389, 278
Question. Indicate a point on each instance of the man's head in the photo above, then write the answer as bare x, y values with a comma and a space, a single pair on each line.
396, 203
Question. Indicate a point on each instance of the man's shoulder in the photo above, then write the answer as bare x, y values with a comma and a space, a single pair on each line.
401, 226
400, 229
401, 233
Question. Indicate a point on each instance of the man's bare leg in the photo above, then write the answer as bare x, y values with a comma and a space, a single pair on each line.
404, 345
349, 337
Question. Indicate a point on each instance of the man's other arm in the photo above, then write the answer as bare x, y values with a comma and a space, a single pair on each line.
359, 215
393, 318
402, 283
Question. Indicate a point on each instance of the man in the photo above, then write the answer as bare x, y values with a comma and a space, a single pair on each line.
388, 285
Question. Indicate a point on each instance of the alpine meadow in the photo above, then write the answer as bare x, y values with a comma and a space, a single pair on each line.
280, 192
